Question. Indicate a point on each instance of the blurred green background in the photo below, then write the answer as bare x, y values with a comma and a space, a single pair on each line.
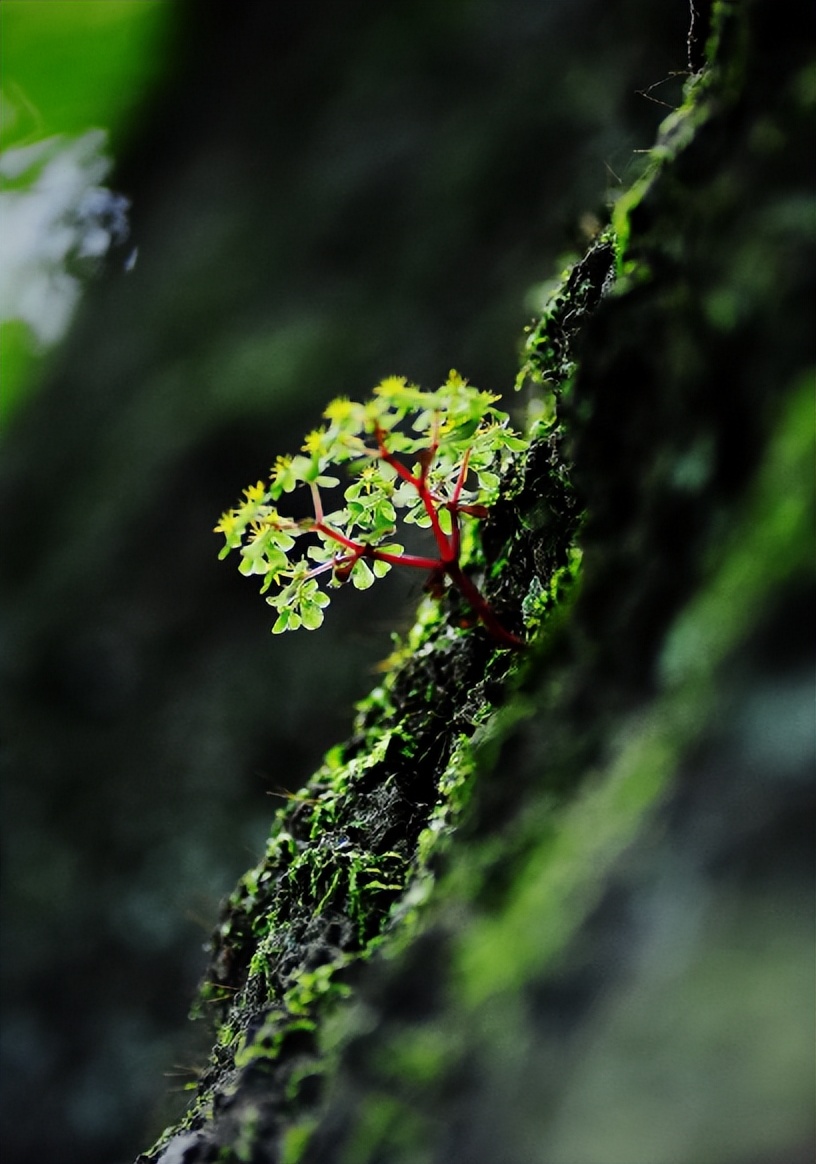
320, 195
66, 68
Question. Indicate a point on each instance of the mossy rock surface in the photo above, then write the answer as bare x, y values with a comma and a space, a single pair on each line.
555, 905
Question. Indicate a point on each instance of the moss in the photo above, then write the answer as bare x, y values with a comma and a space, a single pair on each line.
387, 1125
551, 349
698, 522
351, 856
559, 881
294, 1141
461, 841
246, 1138
566, 875
354, 854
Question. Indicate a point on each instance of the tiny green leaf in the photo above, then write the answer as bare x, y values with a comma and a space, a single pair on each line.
433, 458
361, 575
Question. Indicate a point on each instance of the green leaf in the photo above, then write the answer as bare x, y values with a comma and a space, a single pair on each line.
312, 616
437, 431
405, 495
282, 622
418, 516
69, 66
361, 575
488, 481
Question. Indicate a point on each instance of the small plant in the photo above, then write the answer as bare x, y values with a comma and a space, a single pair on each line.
408, 450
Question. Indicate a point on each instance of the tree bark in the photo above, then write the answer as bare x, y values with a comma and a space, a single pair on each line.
556, 907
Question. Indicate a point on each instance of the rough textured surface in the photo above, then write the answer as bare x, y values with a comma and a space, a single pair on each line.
557, 907
323, 194
366, 828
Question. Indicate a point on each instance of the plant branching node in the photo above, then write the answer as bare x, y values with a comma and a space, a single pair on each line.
433, 456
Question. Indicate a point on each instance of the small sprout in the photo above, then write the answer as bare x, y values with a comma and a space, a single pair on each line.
408, 450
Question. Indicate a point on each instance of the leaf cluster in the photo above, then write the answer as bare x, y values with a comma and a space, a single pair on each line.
433, 456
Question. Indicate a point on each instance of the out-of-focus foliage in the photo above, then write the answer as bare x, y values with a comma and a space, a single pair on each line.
76, 63
72, 76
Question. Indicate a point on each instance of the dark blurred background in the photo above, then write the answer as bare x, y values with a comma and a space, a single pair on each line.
322, 194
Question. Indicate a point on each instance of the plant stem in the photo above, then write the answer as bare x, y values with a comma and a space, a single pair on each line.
449, 546
446, 549
403, 559
480, 607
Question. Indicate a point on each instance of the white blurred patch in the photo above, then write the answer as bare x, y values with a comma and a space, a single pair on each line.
57, 222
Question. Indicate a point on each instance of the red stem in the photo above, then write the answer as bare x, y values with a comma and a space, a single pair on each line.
460, 480
449, 547
480, 606
356, 548
403, 559
446, 549
362, 550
